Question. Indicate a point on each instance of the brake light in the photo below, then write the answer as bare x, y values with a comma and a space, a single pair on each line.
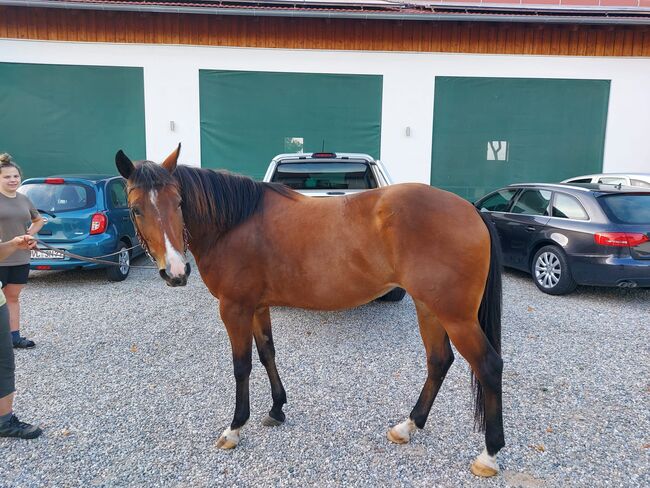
98, 223
323, 155
620, 239
54, 181
43, 267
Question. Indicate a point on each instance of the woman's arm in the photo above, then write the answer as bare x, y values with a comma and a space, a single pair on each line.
37, 224
37, 220
19, 242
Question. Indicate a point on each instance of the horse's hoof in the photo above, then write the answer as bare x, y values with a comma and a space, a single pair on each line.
485, 465
228, 440
401, 433
480, 469
269, 421
394, 437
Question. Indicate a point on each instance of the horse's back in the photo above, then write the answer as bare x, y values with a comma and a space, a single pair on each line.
342, 251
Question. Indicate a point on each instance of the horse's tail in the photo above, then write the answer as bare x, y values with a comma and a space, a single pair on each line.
489, 315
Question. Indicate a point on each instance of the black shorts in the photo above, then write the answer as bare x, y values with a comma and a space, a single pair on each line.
14, 275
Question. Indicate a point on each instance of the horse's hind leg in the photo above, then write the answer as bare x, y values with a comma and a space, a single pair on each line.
487, 366
439, 359
266, 351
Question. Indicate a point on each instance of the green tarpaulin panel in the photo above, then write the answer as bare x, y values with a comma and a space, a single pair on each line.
249, 117
57, 119
490, 132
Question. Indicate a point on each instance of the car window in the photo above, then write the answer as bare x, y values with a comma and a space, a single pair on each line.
117, 194
498, 201
532, 202
59, 197
580, 180
610, 180
627, 209
568, 207
642, 183
325, 176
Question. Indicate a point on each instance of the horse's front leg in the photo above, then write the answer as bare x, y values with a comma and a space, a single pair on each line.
266, 351
238, 320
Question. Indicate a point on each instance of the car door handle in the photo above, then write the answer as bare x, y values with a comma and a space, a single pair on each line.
530, 228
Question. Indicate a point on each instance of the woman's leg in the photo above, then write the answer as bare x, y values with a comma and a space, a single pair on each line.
7, 365
10, 426
12, 293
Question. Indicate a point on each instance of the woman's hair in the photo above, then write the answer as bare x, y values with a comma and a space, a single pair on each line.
7, 162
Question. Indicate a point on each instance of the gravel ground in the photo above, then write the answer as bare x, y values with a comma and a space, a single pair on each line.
133, 384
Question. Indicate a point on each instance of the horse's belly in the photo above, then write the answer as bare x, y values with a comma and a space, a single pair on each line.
330, 290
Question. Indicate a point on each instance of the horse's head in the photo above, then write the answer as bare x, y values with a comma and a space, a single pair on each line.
155, 203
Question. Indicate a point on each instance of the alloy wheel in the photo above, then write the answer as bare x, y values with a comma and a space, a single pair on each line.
124, 261
548, 270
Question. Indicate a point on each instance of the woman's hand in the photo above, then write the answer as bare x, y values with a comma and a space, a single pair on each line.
25, 242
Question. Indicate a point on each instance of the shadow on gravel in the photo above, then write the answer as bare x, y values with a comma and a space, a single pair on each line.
584, 292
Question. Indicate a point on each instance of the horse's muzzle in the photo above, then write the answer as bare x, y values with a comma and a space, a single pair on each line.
176, 280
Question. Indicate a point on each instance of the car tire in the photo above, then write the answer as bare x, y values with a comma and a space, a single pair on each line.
119, 273
551, 272
395, 295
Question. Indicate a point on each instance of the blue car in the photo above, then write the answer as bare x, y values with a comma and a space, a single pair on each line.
86, 215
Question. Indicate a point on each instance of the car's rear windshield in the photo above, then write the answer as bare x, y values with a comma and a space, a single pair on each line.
59, 197
627, 208
325, 176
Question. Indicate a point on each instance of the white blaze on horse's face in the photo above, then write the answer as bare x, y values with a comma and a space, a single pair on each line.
175, 260
172, 261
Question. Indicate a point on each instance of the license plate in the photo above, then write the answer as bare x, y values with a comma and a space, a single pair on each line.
46, 254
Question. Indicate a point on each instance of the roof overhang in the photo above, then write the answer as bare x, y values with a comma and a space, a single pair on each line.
474, 11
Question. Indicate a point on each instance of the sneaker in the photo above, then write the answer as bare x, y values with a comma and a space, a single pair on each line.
24, 343
15, 428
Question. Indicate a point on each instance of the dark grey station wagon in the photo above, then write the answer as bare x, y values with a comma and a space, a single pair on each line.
574, 234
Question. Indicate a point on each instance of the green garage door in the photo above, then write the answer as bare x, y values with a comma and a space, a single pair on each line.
490, 132
70, 119
249, 117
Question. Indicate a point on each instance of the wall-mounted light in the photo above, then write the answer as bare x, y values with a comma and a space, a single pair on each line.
172, 125
408, 132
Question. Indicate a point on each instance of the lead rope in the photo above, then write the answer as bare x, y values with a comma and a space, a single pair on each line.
87, 259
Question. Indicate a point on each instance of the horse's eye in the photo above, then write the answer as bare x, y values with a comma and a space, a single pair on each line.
136, 211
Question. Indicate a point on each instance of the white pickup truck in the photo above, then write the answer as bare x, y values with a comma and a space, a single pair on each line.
327, 174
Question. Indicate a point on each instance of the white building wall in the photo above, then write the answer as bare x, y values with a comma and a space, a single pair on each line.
171, 77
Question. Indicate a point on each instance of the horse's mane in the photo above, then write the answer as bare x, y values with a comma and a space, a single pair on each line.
217, 199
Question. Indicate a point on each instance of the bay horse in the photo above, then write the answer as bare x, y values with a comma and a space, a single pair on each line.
259, 245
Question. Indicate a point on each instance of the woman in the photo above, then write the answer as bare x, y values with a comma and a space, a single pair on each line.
10, 426
17, 216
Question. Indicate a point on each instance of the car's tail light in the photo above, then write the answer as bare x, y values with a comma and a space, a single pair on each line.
43, 267
54, 181
98, 223
620, 239
323, 155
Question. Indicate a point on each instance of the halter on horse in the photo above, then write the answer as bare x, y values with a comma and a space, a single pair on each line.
259, 245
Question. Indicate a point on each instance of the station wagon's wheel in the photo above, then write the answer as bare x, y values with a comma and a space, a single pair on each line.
395, 295
551, 273
119, 273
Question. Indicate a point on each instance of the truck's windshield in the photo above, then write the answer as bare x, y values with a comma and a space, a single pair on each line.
325, 176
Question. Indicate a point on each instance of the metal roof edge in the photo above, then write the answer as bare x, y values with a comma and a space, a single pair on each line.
465, 13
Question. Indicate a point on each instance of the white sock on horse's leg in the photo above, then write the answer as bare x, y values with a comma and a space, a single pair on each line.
229, 439
401, 433
485, 465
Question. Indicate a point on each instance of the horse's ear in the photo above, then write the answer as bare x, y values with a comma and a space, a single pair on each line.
124, 164
170, 163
